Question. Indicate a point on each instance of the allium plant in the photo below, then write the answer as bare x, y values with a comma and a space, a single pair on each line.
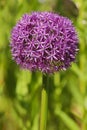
46, 42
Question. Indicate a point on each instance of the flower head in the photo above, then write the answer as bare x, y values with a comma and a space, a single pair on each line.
44, 41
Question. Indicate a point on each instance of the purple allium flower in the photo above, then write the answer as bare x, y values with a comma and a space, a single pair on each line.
44, 41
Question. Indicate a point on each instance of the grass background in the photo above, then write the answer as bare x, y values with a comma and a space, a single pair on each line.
20, 90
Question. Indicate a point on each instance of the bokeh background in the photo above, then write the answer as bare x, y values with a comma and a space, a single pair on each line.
20, 90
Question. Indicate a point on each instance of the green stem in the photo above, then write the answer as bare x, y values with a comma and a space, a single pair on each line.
44, 102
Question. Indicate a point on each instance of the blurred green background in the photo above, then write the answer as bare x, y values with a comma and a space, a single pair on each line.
20, 90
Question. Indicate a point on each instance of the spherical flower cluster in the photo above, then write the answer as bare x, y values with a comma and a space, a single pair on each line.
44, 41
